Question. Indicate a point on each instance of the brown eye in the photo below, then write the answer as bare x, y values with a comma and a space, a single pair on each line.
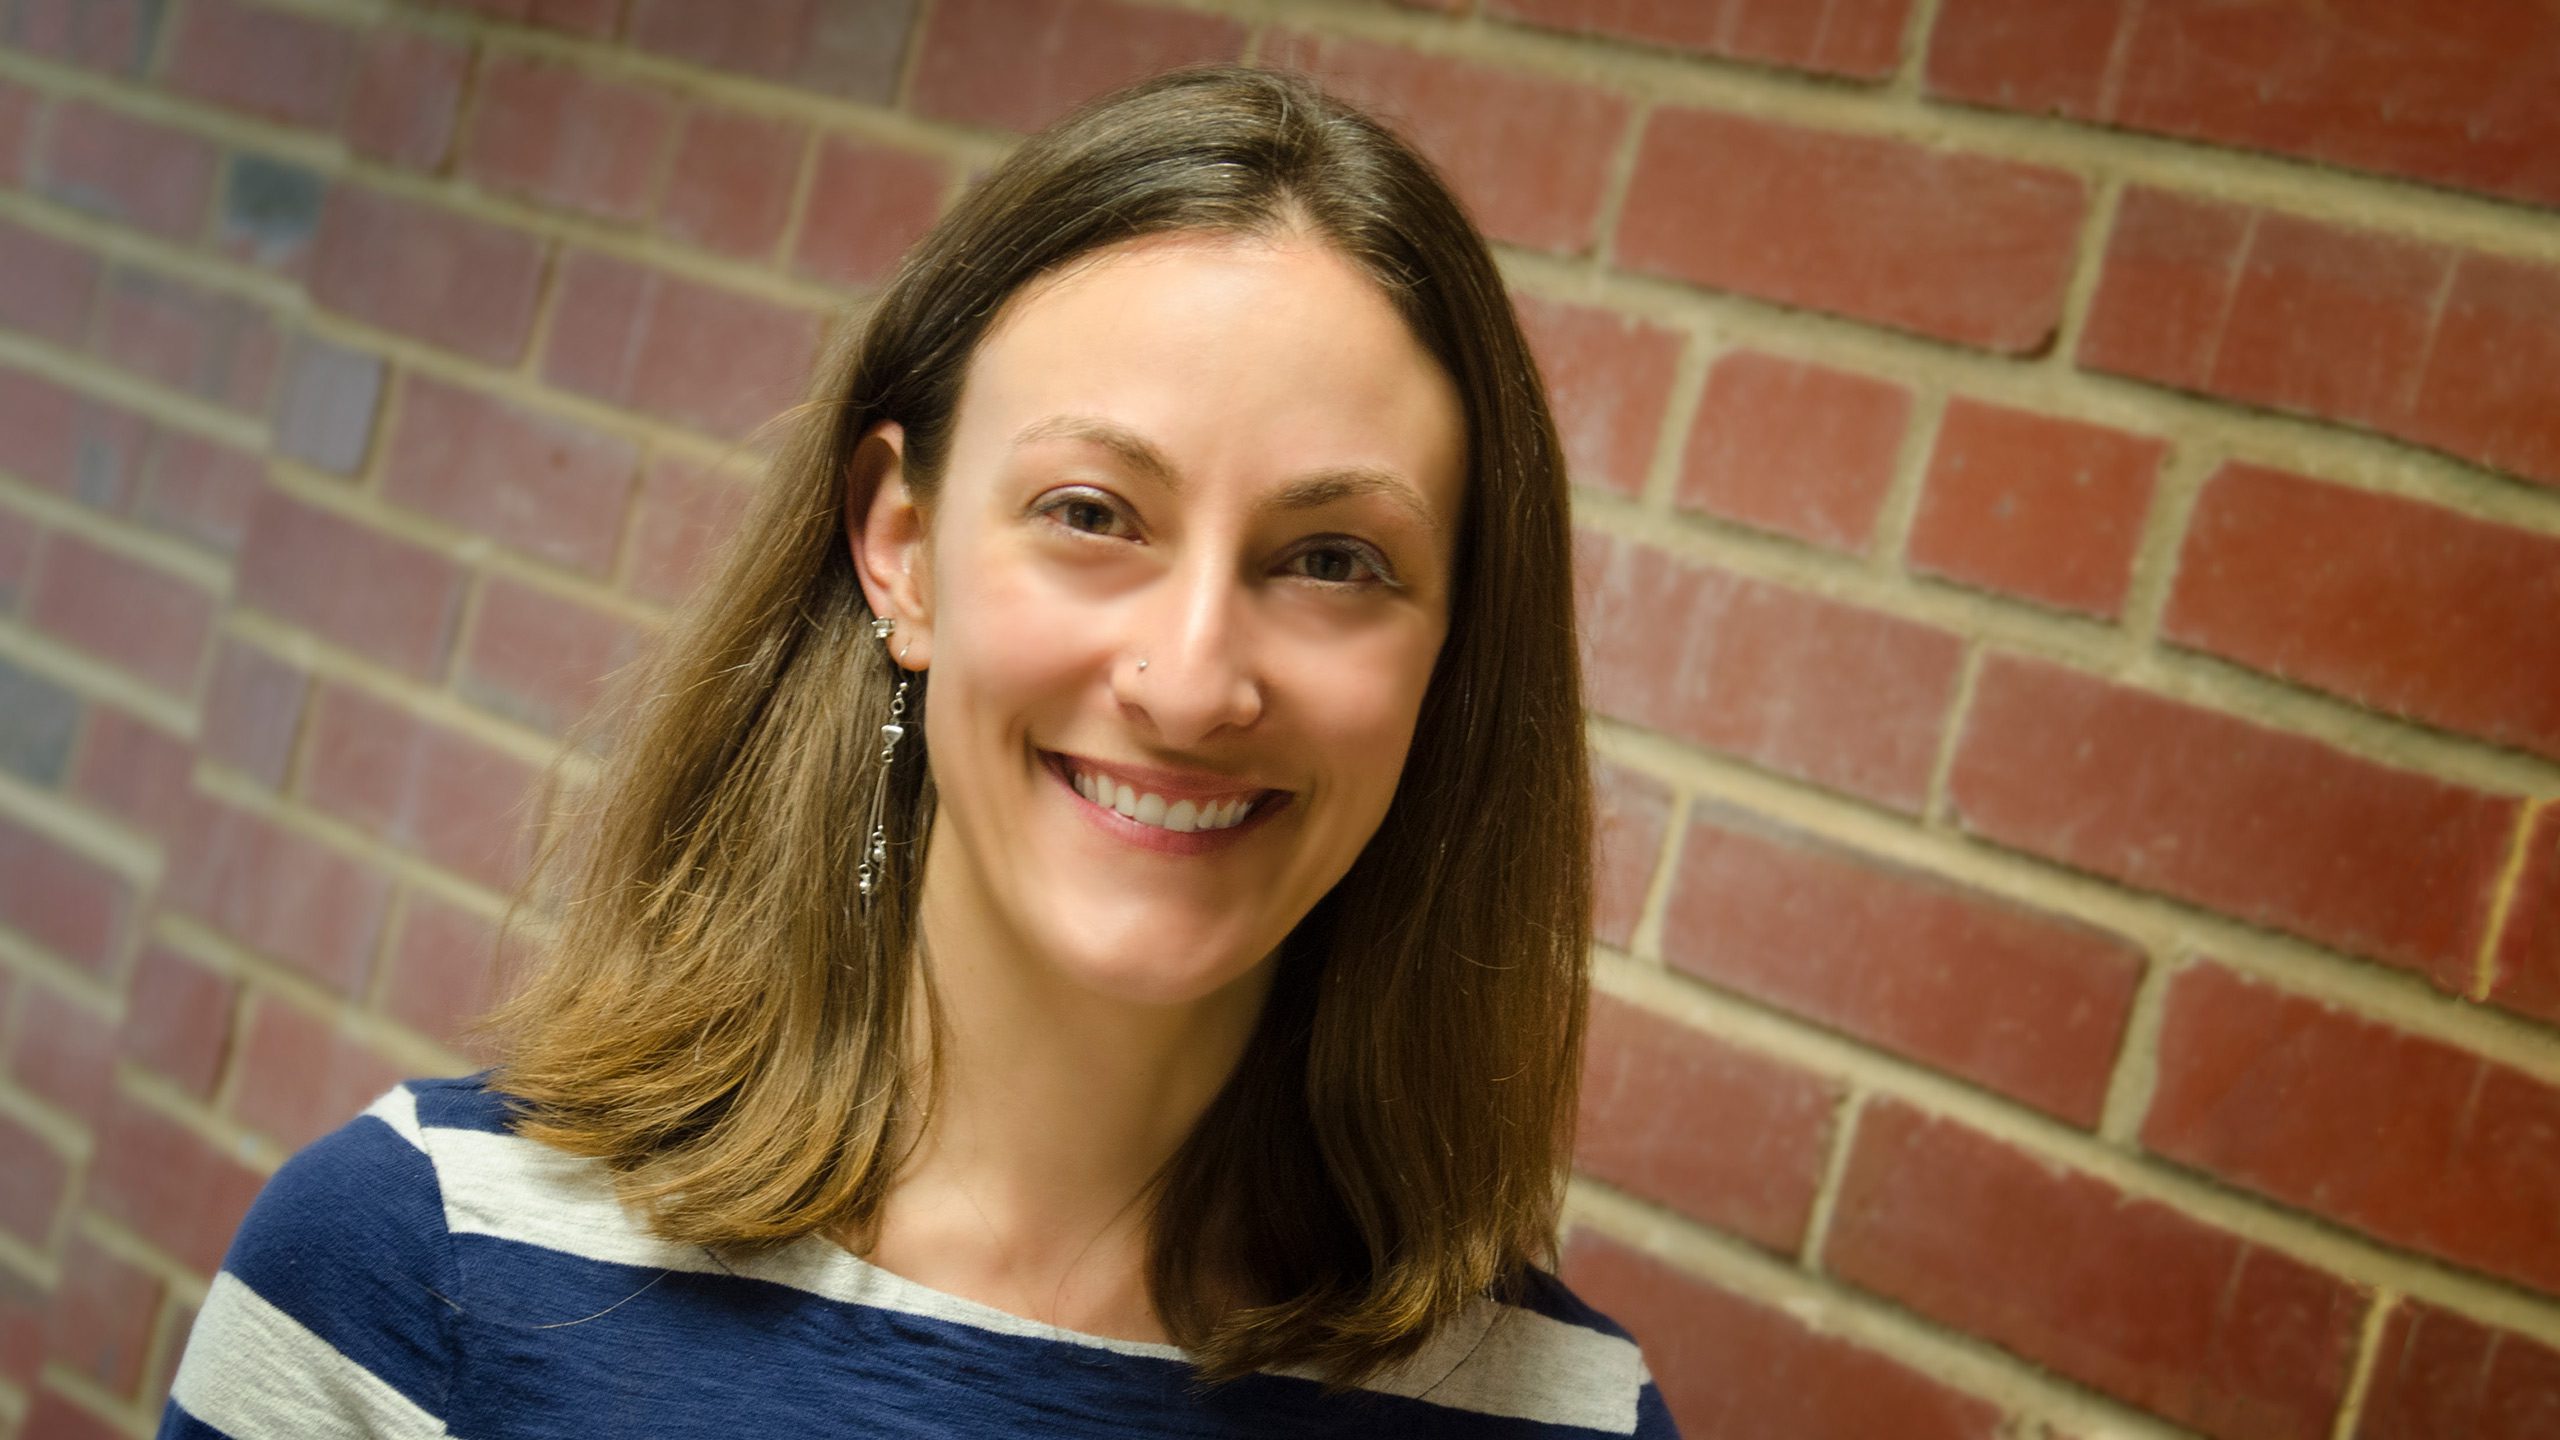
1341, 564
1085, 513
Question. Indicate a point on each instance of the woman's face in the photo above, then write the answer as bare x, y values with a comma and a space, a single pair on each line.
1227, 458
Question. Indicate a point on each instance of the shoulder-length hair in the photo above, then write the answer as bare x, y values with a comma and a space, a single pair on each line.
721, 1021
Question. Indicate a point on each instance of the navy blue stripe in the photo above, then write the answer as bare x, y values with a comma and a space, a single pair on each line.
348, 1239
562, 1345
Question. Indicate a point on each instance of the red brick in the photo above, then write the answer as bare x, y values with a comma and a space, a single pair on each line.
63, 900
215, 346
55, 1416
2455, 100
650, 341
25, 1314
177, 1323
2492, 387
868, 204
2020, 55
1849, 699
177, 1190
1731, 1138
540, 483
2442, 347
2349, 591
2275, 829
134, 770
32, 1184
46, 284
595, 19
464, 284
2028, 1004
316, 908
408, 91
2037, 506
1608, 380
69, 443
103, 1310
271, 63
111, 35
62, 1051
731, 187
1861, 39
1633, 820
2411, 1140
19, 109
202, 490
1801, 449
851, 48
147, 175
542, 658
2323, 320
1530, 156
420, 786
19, 541
133, 615
2119, 1293
446, 968
177, 1018
2166, 282
2438, 1374
302, 1077
1743, 1369
1019, 64
1959, 246
683, 515
2528, 959
566, 137
355, 586
253, 710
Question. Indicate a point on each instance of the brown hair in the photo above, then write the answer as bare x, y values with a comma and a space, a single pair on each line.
719, 1020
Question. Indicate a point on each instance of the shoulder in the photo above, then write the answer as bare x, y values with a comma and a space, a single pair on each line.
1538, 1352
332, 1312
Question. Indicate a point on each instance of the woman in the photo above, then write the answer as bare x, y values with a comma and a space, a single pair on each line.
1085, 932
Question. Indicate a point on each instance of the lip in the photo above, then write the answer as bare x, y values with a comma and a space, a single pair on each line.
1153, 837
1171, 784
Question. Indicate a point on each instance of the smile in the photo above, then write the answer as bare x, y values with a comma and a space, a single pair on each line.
1160, 802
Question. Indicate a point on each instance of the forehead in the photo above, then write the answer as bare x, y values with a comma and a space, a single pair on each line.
1245, 360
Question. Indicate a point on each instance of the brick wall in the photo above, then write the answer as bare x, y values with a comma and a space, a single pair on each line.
2070, 514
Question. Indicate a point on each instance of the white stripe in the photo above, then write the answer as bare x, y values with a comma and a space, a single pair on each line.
251, 1371
1500, 1360
1523, 1364
398, 1108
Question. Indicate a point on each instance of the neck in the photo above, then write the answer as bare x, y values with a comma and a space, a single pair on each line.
1057, 1106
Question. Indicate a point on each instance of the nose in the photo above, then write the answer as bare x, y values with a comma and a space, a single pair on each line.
1194, 630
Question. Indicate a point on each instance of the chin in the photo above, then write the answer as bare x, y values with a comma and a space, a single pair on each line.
1149, 969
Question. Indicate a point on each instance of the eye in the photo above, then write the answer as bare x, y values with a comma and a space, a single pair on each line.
1087, 512
1344, 562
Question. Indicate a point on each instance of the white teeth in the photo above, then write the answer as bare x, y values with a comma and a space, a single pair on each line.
1179, 816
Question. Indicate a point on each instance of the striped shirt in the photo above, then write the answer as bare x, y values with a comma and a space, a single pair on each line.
423, 1271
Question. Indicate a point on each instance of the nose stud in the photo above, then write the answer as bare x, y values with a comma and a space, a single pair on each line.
1142, 664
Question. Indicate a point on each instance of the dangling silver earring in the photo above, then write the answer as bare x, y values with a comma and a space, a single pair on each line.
875, 850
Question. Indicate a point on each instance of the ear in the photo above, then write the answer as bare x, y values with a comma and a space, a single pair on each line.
888, 535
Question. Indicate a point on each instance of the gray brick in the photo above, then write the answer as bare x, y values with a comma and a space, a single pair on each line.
38, 720
330, 394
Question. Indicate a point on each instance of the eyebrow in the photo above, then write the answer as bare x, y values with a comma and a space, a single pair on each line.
1307, 492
